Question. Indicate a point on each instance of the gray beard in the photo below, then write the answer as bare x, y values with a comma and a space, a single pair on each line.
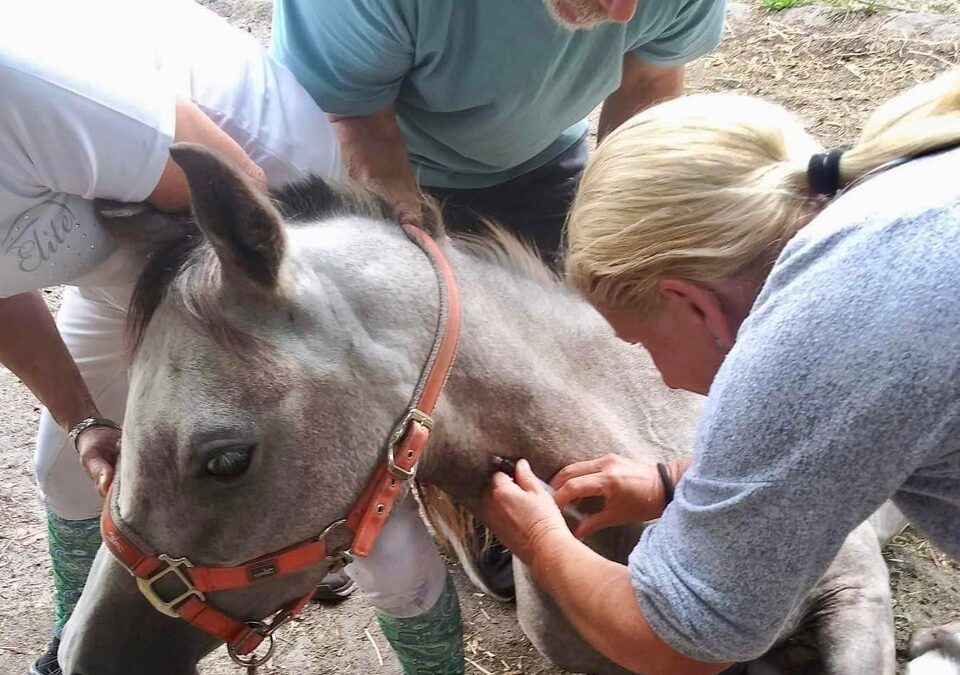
588, 15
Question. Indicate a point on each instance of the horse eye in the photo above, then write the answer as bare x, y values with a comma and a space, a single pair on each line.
231, 463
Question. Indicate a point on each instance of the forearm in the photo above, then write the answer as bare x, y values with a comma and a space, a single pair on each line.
31, 347
376, 156
193, 125
596, 595
643, 85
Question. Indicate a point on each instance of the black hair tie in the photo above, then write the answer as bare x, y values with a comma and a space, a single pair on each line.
668, 487
823, 172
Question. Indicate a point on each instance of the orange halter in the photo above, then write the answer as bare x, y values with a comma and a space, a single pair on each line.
365, 520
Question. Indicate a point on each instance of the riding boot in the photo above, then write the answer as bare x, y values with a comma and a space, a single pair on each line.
430, 643
73, 545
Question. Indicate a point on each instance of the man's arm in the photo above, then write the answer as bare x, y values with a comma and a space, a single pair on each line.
353, 58
192, 125
653, 70
376, 156
642, 85
31, 347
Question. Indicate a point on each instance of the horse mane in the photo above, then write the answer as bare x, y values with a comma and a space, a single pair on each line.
504, 249
185, 269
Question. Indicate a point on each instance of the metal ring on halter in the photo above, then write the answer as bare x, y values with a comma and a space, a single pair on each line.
252, 660
336, 559
330, 528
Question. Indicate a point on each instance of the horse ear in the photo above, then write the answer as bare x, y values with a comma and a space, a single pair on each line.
242, 225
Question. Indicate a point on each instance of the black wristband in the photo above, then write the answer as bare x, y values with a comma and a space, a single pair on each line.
668, 486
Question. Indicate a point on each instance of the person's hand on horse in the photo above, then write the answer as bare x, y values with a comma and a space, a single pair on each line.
410, 212
632, 491
99, 449
521, 513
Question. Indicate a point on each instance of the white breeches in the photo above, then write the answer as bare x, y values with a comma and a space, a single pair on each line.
404, 575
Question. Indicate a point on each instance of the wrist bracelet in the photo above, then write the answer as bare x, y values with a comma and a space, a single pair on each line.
89, 423
668, 486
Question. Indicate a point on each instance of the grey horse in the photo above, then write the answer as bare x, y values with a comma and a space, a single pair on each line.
290, 334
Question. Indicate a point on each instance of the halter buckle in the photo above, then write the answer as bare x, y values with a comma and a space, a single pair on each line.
174, 566
413, 416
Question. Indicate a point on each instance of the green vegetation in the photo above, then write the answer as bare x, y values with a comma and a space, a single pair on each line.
777, 5
866, 6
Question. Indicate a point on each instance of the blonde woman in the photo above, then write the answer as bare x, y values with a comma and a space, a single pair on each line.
815, 298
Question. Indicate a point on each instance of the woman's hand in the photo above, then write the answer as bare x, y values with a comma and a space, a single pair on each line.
632, 491
99, 449
522, 514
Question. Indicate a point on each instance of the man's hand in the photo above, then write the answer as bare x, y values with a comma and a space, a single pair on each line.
522, 514
409, 213
99, 449
632, 491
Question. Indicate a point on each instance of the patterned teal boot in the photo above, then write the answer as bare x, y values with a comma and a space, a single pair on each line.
73, 545
430, 643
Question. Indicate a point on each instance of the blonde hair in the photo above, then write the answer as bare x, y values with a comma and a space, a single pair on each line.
708, 187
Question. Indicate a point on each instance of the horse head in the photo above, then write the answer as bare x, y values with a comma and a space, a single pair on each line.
271, 358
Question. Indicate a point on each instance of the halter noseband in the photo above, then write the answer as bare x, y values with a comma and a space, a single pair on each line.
364, 522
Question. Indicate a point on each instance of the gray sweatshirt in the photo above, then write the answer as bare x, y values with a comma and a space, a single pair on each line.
842, 391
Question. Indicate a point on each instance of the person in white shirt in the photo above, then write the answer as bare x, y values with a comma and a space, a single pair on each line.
93, 96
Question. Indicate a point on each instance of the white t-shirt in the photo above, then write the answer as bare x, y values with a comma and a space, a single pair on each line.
88, 96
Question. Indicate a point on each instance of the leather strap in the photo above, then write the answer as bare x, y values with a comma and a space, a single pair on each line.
370, 513
212, 579
137, 561
294, 559
241, 637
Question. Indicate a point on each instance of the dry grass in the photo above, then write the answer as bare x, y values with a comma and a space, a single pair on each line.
830, 67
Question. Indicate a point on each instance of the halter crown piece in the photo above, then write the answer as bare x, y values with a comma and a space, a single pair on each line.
823, 172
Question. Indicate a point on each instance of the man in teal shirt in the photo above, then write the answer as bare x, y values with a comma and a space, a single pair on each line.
482, 103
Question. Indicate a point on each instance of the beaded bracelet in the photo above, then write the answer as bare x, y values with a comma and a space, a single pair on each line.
89, 423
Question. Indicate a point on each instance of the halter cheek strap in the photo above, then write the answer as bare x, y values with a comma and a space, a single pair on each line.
407, 443
184, 585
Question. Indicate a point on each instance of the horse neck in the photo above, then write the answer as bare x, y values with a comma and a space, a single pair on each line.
540, 375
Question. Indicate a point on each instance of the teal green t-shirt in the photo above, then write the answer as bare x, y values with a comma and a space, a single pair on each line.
484, 90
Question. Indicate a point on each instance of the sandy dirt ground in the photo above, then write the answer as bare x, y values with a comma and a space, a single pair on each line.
832, 66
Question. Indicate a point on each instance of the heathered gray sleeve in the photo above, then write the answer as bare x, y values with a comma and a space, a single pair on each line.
842, 385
